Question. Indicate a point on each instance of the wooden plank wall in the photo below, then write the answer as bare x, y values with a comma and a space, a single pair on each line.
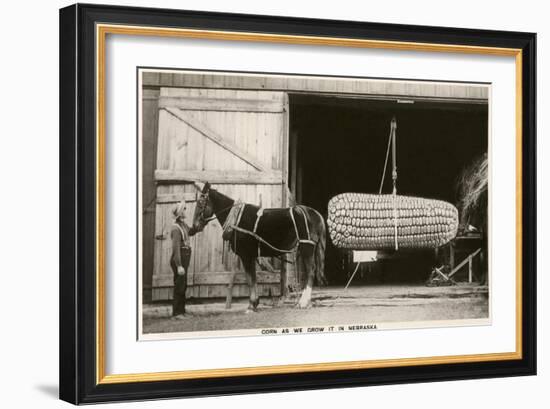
342, 86
255, 122
149, 144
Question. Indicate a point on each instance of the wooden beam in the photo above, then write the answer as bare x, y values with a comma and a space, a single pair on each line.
322, 85
262, 277
220, 177
216, 291
470, 268
284, 148
452, 255
176, 197
215, 137
219, 278
463, 263
442, 274
222, 104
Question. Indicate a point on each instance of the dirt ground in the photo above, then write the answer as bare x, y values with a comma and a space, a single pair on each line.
330, 306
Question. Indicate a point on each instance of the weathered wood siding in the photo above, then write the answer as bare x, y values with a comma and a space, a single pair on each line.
149, 144
234, 139
343, 86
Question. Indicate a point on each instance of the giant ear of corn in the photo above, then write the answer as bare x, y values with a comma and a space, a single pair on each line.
362, 221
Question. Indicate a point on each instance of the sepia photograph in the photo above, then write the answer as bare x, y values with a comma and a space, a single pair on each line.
278, 204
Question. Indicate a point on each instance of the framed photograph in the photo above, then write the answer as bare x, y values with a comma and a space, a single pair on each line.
258, 203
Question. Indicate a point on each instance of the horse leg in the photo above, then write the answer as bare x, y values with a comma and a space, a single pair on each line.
250, 268
284, 280
313, 256
309, 269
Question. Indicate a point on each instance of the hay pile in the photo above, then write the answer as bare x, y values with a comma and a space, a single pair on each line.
473, 195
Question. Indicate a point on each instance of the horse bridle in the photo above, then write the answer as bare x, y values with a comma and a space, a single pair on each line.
204, 198
202, 206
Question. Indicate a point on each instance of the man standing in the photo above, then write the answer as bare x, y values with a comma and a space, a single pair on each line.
181, 256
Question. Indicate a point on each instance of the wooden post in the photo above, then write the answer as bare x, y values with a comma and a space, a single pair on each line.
463, 262
452, 255
470, 268
438, 271
229, 296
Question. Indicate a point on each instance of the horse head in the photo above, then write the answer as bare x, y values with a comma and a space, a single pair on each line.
204, 210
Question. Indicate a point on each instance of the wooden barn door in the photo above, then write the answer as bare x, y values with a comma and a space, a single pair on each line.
236, 140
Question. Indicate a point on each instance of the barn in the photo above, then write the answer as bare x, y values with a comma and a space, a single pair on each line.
277, 140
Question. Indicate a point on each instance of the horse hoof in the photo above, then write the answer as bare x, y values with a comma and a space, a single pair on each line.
250, 309
303, 305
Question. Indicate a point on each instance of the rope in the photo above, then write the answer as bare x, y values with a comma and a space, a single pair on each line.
353, 275
294, 223
385, 162
393, 128
257, 237
392, 145
347, 285
258, 217
305, 221
395, 220
304, 217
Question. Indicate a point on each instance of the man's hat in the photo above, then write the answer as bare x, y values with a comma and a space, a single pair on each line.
179, 209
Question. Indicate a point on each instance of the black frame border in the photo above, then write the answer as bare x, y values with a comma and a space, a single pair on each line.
78, 197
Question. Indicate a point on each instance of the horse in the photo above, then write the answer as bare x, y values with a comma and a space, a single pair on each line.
254, 232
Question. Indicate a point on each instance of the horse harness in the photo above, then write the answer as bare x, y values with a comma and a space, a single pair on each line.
184, 237
232, 224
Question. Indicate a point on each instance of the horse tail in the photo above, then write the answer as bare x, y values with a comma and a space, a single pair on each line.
319, 255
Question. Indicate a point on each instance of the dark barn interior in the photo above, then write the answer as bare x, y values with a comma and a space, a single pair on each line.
339, 145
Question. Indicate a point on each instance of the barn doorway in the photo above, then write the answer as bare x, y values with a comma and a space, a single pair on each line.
338, 144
